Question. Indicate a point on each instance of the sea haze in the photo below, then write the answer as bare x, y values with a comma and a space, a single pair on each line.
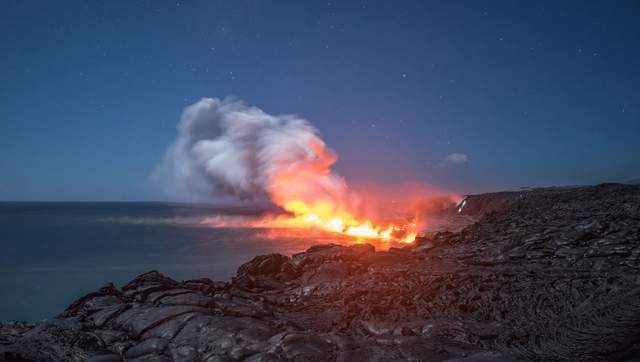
53, 253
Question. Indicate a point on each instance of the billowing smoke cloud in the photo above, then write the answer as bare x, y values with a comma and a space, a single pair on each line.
226, 147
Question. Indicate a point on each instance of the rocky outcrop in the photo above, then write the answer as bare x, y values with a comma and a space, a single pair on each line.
551, 274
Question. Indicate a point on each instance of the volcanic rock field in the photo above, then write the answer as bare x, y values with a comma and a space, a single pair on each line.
543, 274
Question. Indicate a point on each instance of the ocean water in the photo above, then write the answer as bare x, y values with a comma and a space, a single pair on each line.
53, 253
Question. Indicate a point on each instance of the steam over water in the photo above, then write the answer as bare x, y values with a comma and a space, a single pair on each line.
228, 148
53, 253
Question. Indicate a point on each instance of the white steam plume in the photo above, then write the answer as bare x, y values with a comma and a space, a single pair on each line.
226, 147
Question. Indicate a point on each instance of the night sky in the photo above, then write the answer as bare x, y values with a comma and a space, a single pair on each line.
468, 95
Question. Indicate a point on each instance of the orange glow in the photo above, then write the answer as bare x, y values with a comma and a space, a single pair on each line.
332, 217
303, 184
409, 238
315, 197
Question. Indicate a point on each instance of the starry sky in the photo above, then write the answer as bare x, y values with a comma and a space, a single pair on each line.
469, 95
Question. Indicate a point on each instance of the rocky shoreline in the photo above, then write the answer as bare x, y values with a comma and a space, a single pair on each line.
545, 274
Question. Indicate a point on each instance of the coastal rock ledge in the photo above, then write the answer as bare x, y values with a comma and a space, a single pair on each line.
544, 274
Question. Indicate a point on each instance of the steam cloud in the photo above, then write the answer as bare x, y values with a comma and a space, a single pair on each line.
454, 159
226, 147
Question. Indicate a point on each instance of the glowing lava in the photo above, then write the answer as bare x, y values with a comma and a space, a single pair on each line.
333, 218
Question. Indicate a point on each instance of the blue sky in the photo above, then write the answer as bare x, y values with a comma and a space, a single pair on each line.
531, 93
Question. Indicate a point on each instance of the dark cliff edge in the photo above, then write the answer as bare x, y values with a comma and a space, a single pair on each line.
545, 274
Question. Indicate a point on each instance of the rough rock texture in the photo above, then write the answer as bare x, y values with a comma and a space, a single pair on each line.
549, 274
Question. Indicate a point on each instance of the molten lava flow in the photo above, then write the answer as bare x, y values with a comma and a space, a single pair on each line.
333, 218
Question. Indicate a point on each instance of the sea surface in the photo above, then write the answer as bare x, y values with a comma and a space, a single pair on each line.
53, 253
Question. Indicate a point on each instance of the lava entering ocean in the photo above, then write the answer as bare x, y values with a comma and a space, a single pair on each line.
326, 217
226, 147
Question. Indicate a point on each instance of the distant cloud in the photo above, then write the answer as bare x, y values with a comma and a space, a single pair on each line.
454, 159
